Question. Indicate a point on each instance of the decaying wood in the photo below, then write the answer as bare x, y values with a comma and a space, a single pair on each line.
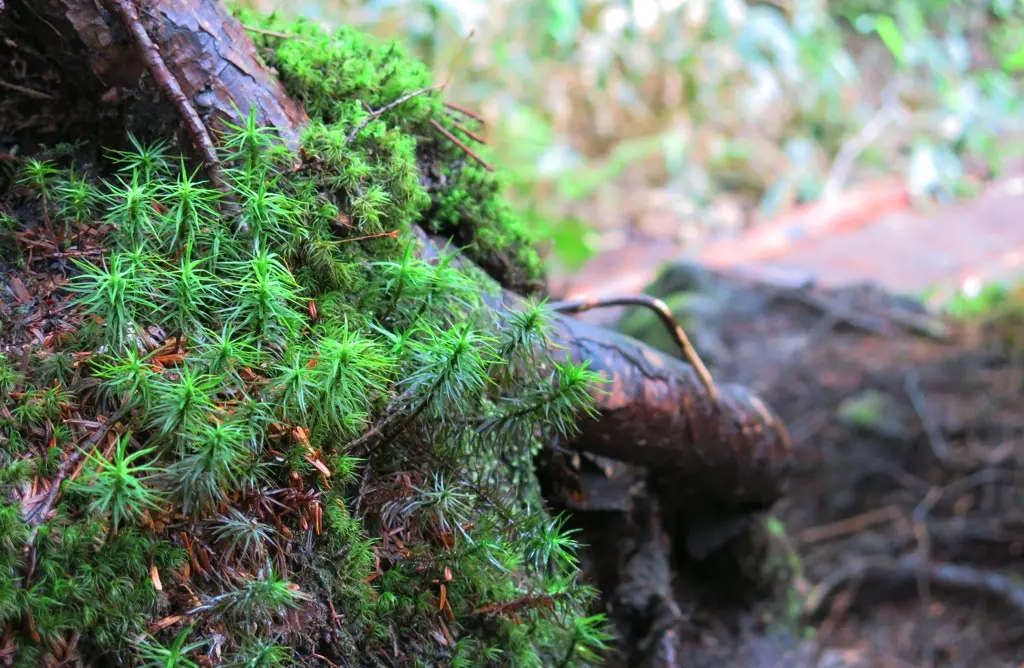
655, 411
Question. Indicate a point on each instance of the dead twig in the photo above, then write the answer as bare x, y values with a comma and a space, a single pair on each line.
392, 413
890, 111
375, 114
936, 441
408, 96
458, 142
268, 33
848, 526
664, 313
923, 556
126, 10
38, 513
379, 235
27, 92
837, 612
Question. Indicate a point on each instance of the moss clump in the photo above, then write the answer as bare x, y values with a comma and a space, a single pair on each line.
321, 444
341, 78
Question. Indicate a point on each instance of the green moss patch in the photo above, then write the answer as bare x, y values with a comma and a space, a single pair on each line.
321, 445
341, 78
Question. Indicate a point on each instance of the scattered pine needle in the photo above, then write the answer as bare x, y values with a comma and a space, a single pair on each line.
269, 33
379, 235
458, 142
465, 112
469, 133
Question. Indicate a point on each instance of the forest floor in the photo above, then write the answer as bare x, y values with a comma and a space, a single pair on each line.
907, 507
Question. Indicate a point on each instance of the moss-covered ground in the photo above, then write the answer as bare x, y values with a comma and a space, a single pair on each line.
281, 437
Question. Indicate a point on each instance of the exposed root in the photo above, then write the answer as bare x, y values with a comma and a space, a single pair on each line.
907, 570
664, 313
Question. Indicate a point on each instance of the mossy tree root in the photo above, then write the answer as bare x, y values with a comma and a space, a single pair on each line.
731, 452
655, 412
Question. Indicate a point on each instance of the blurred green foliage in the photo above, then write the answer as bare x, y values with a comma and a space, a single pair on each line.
683, 118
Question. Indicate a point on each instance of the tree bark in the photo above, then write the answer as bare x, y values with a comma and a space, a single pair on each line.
205, 49
654, 413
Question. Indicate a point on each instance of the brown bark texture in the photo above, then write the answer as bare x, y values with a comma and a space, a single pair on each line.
207, 52
654, 412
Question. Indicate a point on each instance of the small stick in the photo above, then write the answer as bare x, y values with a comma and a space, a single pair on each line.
848, 526
37, 514
27, 92
462, 110
663, 312
907, 569
455, 140
374, 115
936, 441
163, 77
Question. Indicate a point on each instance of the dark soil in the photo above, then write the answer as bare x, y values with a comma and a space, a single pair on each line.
907, 504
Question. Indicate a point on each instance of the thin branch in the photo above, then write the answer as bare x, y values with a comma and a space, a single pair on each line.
906, 570
379, 235
458, 142
374, 115
936, 441
664, 313
848, 526
890, 111
170, 86
392, 413
28, 92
